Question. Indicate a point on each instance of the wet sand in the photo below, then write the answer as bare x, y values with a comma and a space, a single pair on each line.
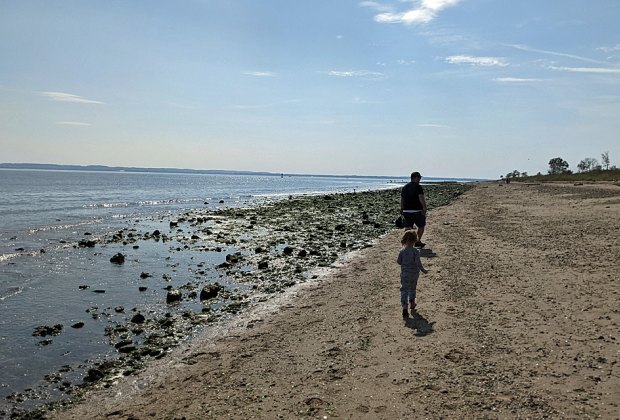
518, 318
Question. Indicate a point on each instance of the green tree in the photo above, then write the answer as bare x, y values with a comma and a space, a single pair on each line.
605, 160
587, 164
558, 166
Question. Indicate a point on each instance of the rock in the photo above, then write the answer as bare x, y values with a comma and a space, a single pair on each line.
263, 265
78, 325
142, 288
94, 375
210, 291
83, 287
174, 296
122, 343
233, 258
45, 330
174, 224
98, 291
302, 253
126, 349
119, 309
260, 250
156, 233
145, 275
340, 227
138, 319
86, 243
118, 259
221, 201
225, 264
288, 250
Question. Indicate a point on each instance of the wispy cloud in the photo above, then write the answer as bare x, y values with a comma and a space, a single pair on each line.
379, 7
597, 70
259, 73
365, 74
73, 123
361, 101
67, 97
609, 49
516, 80
477, 61
425, 12
555, 53
432, 126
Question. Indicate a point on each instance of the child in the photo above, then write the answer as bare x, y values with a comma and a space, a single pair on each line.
410, 267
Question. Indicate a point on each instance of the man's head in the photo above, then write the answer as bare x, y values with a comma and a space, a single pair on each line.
415, 177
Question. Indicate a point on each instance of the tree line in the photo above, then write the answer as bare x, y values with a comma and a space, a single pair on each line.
558, 166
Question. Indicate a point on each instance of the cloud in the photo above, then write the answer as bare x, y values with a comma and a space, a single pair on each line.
361, 101
477, 61
609, 49
597, 70
425, 12
365, 74
67, 97
432, 126
554, 53
260, 73
73, 123
376, 6
515, 80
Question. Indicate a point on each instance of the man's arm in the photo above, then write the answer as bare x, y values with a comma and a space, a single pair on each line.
423, 202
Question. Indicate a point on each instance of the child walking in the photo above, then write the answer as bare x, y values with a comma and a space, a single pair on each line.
410, 267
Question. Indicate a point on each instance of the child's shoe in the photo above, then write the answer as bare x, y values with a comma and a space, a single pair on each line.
405, 313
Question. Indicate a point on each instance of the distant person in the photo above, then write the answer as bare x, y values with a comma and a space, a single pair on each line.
413, 206
410, 267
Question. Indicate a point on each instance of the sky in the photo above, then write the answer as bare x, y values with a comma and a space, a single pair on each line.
449, 88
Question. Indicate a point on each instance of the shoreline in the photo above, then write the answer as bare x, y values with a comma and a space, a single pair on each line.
268, 236
511, 322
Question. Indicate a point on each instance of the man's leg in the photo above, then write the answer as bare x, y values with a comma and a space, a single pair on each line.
420, 233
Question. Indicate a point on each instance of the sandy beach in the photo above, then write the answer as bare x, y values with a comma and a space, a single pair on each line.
518, 318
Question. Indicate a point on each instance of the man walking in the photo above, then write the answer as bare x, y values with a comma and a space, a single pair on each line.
413, 206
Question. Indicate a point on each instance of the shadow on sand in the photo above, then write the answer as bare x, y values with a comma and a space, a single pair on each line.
427, 253
419, 324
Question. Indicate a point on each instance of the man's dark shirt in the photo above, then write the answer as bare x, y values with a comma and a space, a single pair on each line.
410, 195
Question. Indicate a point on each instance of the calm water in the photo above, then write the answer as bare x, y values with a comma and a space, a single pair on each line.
43, 213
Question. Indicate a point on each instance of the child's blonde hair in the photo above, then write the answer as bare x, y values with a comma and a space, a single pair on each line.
409, 236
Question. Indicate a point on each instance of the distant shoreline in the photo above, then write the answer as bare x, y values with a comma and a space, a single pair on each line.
103, 168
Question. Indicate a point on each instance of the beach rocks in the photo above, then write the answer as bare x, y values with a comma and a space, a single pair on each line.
78, 325
138, 319
118, 259
210, 291
174, 296
44, 330
85, 243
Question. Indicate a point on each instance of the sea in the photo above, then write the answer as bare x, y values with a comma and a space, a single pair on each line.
44, 213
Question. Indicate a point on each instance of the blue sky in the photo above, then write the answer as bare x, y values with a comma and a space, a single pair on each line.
463, 88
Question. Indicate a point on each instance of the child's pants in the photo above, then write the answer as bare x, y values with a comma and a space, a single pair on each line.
408, 284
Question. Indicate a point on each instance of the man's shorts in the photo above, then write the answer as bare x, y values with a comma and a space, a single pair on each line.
418, 218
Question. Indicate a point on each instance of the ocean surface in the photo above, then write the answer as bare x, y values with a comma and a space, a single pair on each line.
45, 213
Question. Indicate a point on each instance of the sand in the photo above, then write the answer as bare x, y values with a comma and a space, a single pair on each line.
518, 318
